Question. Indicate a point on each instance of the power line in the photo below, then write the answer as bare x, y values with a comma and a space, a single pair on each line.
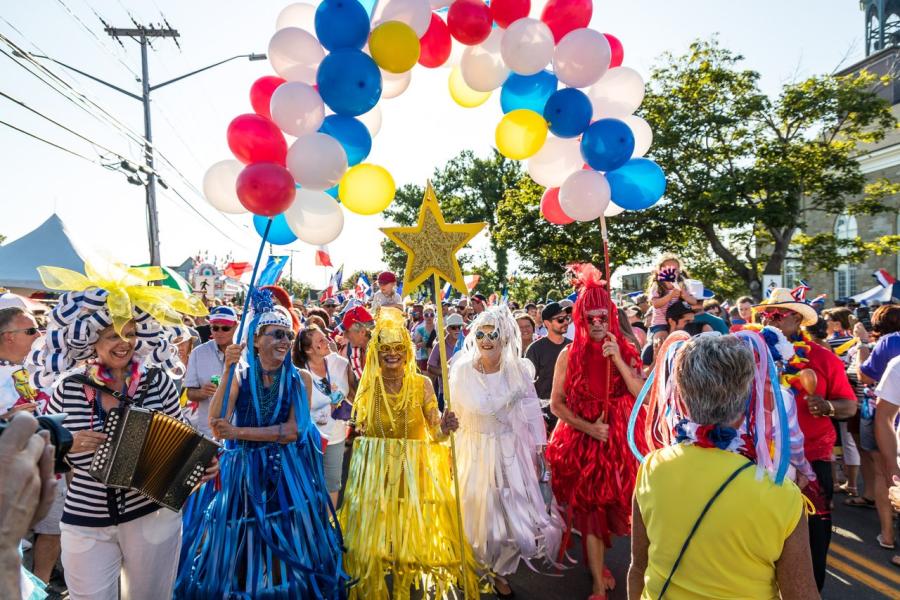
49, 143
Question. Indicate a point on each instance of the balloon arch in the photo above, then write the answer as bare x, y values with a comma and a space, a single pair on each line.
567, 105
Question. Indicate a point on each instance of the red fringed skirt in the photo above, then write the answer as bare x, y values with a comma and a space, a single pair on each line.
593, 481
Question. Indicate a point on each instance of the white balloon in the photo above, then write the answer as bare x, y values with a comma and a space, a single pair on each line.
618, 93
317, 161
581, 58
295, 54
584, 195
394, 84
439, 4
613, 210
372, 120
315, 217
643, 134
555, 161
482, 67
298, 14
297, 108
415, 13
527, 46
220, 186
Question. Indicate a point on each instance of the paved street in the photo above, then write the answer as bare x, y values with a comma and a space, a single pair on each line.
858, 568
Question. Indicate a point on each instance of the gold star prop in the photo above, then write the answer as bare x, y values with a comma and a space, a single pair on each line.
431, 245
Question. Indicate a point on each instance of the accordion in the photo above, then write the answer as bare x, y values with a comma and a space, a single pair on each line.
152, 453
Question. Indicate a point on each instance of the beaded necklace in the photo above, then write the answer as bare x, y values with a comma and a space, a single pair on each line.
268, 396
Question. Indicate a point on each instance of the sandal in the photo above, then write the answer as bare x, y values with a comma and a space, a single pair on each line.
846, 488
608, 578
881, 543
859, 502
895, 560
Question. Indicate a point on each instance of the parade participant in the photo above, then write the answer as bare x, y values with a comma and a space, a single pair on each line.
666, 288
888, 392
479, 304
269, 531
331, 306
281, 298
526, 330
124, 333
386, 294
744, 306
357, 324
330, 401
765, 553
452, 342
500, 446
204, 368
399, 515
544, 352
833, 397
423, 336
593, 391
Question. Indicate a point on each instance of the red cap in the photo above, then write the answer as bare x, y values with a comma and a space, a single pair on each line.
357, 314
386, 277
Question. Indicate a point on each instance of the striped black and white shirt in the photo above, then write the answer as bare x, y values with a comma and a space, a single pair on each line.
88, 502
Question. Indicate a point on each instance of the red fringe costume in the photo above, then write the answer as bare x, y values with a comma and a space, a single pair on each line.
592, 480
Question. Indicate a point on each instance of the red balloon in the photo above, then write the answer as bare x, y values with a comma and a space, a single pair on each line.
507, 11
435, 44
551, 209
562, 16
261, 94
254, 139
618, 51
266, 189
469, 21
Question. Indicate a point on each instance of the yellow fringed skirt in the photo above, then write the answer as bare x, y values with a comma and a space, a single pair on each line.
399, 518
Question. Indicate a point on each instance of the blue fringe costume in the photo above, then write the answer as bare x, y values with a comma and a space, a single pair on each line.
270, 531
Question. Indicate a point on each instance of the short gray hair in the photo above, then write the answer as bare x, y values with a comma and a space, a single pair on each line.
714, 375
7, 315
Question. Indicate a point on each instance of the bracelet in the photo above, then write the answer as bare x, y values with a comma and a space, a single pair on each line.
830, 409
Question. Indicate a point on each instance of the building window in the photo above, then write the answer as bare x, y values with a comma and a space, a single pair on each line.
792, 268
845, 228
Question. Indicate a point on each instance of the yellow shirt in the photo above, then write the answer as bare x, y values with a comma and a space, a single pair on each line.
733, 553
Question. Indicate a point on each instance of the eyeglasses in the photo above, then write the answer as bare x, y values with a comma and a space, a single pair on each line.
596, 319
429, 315
775, 314
562, 319
221, 327
480, 335
280, 334
26, 331
392, 348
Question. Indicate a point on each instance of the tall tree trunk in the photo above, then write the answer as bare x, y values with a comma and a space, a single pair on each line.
737, 266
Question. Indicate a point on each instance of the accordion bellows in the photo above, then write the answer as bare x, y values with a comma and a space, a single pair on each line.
152, 453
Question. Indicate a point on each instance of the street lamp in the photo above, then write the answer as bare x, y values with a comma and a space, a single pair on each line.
144, 97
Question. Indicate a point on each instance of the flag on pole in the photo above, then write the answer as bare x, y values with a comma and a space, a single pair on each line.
884, 278
236, 269
446, 291
799, 292
323, 258
271, 273
363, 287
472, 281
334, 285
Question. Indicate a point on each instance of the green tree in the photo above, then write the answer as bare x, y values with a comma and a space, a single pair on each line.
469, 189
745, 171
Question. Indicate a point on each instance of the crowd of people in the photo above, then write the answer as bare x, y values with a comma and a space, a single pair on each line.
351, 468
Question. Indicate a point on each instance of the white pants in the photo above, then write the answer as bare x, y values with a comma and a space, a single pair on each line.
144, 552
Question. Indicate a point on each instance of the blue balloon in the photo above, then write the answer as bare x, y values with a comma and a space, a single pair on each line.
349, 82
639, 184
279, 234
352, 134
568, 112
527, 91
607, 144
342, 24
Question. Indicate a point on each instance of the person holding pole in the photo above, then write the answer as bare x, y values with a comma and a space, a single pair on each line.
400, 515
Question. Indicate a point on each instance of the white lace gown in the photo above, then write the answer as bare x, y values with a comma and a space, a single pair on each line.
500, 433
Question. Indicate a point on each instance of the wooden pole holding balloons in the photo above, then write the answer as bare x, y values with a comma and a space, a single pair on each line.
605, 237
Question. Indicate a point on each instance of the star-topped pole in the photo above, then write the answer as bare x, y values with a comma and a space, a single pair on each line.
431, 246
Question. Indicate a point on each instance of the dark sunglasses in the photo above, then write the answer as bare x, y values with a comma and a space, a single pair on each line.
562, 319
221, 327
26, 331
480, 335
429, 315
280, 334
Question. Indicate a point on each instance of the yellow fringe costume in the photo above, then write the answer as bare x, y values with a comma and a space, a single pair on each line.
399, 515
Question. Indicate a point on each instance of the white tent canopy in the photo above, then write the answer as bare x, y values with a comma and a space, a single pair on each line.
49, 244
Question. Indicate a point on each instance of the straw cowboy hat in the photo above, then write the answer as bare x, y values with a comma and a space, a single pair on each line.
782, 298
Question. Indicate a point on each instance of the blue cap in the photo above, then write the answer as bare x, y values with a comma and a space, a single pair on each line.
222, 314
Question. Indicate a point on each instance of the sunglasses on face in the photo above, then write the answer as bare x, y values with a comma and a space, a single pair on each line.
225, 328
429, 315
597, 319
280, 334
480, 335
775, 314
26, 331
562, 319
392, 348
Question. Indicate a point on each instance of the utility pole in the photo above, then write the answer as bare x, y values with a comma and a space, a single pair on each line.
143, 35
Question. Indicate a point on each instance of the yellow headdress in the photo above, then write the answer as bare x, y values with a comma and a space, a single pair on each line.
390, 329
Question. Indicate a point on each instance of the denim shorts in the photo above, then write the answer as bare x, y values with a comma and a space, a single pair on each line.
658, 328
867, 435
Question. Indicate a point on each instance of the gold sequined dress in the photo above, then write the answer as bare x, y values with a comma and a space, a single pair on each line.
399, 515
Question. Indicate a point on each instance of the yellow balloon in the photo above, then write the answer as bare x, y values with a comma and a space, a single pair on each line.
462, 94
520, 134
394, 47
366, 189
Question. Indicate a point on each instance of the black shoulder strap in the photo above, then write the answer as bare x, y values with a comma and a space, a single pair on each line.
85, 380
690, 536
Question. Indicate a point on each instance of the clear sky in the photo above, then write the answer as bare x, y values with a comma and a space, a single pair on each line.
784, 40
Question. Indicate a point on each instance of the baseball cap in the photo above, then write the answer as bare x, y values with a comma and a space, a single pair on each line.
357, 314
222, 314
566, 304
678, 310
386, 277
330, 302
479, 297
551, 310
454, 320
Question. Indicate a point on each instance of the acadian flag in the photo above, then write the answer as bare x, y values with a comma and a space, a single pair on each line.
446, 291
323, 258
272, 271
334, 285
884, 278
363, 287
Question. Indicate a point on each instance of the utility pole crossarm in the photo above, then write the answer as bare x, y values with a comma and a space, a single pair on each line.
142, 32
